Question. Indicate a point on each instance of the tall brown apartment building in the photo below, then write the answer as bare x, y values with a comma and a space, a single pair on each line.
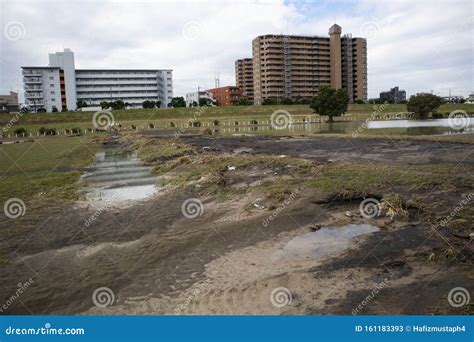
244, 77
297, 66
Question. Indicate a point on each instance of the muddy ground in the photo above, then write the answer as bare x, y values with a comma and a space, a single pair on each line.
157, 261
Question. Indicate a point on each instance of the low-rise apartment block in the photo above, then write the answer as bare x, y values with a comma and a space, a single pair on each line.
226, 96
59, 85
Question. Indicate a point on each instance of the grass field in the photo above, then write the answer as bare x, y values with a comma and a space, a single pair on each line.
46, 169
164, 118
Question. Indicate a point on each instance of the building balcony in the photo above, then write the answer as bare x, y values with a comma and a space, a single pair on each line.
32, 80
31, 73
33, 95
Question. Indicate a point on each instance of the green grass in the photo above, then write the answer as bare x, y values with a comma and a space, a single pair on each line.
46, 169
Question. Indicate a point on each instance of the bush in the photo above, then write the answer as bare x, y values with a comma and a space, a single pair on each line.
21, 131
437, 115
196, 124
216, 122
172, 124
47, 131
133, 127
151, 126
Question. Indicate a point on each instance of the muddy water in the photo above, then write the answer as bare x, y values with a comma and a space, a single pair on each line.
403, 127
322, 243
118, 177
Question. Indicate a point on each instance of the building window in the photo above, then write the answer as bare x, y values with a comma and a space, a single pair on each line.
52, 92
51, 85
51, 78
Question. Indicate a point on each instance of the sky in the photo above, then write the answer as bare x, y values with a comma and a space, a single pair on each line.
418, 45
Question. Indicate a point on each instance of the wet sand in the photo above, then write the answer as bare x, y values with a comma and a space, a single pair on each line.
225, 261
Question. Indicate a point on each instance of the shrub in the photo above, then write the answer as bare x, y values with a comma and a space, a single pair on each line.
47, 131
196, 124
423, 104
216, 122
21, 131
151, 125
172, 124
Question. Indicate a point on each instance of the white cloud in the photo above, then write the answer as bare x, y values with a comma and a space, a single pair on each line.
417, 45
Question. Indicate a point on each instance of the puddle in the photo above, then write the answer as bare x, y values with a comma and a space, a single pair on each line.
322, 243
403, 127
118, 177
415, 123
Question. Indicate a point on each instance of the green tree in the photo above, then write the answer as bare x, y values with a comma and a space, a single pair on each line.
104, 104
205, 102
423, 104
148, 104
118, 104
243, 101
330, 102
178, 102
81, 104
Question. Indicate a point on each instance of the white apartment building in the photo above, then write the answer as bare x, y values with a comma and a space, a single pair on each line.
195, 96
60, 85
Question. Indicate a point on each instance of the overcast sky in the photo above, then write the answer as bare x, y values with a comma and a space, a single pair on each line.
417, 45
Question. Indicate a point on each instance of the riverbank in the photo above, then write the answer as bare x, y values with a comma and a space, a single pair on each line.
252, 196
